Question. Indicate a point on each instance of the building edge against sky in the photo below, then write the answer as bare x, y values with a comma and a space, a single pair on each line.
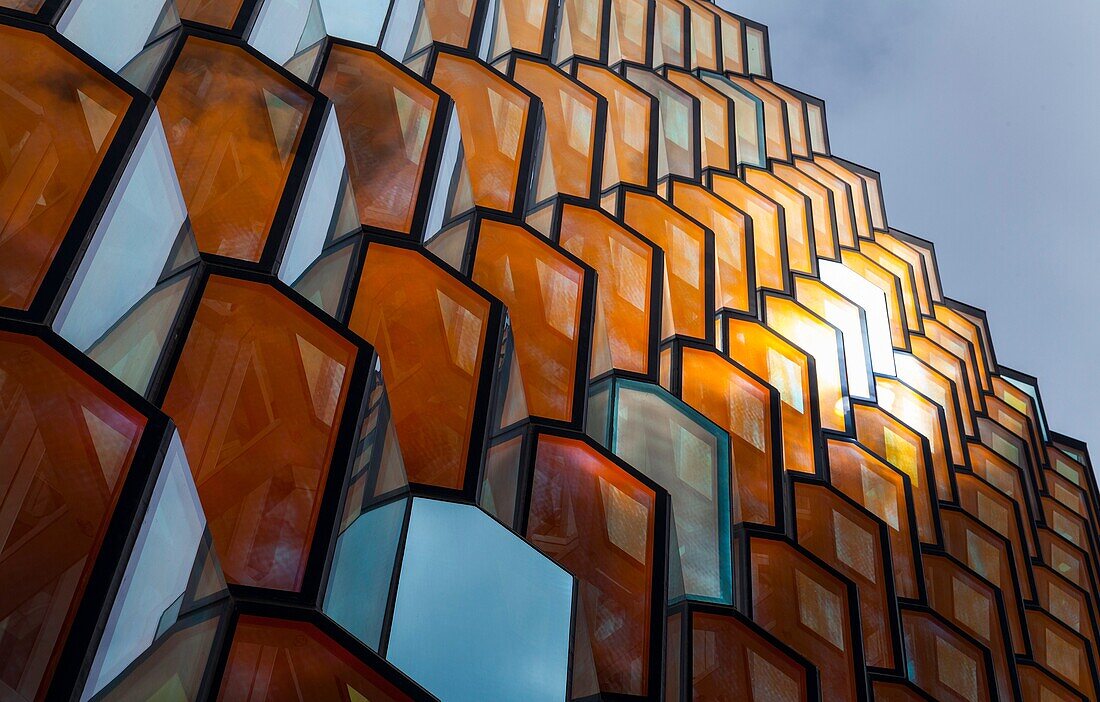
494, 350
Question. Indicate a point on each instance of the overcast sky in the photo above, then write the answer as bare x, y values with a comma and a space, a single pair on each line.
983, 117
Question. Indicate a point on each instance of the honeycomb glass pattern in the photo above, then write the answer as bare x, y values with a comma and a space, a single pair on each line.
495, 351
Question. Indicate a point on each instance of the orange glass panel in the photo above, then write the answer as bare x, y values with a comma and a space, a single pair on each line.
943, 663
988, 554
233, 127
937, 388
629, 124
880, 489
998, 472
1065, 558
890, 286
823, 342
902, 448
998, 512
971, 604
629, 21
684, 243
492, 114
848, 540
775, 127
381, 108
258, 395
668, 39
1068, 604
543, 292
806, 607
520, 24
951, 367
54, 133
741, 405
429, 332
843, 209
732, 57
960, 348
913, 257
716, 116
571, 138
732, 662
219, 13
923, 415
597, 521
66, 444
796, 118
767, 228
443, 22
849, 319
821, 207
796, 214
858, 190
275, 660
904, 272
787, 370
22, 5
624, 293
704, 49
581, 30
1063, 652
733, 283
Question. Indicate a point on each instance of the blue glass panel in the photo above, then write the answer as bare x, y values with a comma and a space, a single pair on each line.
481, 616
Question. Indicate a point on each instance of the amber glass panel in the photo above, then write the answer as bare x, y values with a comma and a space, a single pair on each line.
843, 209
704, 48
796, 214
963, 350
492, 114
543, 292
668, 40
629, 125
66, 444
581, 31
733, 284
951, 367
741, 405
796, 119
894, 692
971, 604
274, 660
233, 127
1068, 560
998, 512
774, 126
901, 447
998, 472
220, 13
1062, 652
520, 24
943, 663
881, 490
386, 120
1037, 684
716, 117
731, 662
911, 256
940, 393
685, 245
787, 370
54, 133
820, 203
597, 521
965, 327
847, 539
890, 287
22, 5
732, 58
258, 394
858, 191
571, 138
988, 554
807, 608
429, 332
850, 320
624, 295
922, 414
629, 21
823, 342
1066, 603
175, 665
767, 230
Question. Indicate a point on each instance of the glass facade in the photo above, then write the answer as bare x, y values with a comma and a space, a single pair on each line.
494, 351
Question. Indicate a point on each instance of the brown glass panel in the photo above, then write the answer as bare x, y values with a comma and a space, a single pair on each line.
571, 140
1062, 652
258, 395
66, 444
543, 291
848, 540
941, 662
176, 664
807, 608
492, 114
624, 292
429, 331
741, 405
901, 447
597, 522
273, 660
233, 127
787, 370
880, 489
731, 662
1038, 684
998, 512
767, 228
971, 604
733, 282
630, 122
386, 119
220, 13
53, 134
684, 243
1015, 422
1065, 602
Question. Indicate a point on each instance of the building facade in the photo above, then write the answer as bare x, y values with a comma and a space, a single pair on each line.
494, 350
